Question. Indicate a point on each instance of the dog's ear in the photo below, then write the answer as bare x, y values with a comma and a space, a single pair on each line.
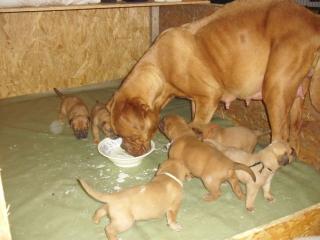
139, 105
161, 125
283, 160
198, 132
70, 121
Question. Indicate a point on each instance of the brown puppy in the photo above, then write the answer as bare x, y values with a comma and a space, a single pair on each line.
100, 120
264, 164
161, 196
239, 52
77, 113
203, 161
238, 137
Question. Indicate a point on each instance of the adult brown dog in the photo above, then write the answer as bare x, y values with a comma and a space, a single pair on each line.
240, 51
161, 196
264, 164
77, 113
203, 161
100, 120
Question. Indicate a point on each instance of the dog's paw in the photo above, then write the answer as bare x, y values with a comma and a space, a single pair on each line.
250, 209
208, 198
176, 227
270, 199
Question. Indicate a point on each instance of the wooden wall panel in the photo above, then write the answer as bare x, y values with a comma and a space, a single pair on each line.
42, 50
173, 16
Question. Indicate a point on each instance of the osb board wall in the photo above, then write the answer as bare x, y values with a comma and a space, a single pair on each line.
42, 50
253, 116
173, 16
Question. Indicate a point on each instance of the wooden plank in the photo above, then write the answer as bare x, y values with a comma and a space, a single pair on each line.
300, 224
121, 4
4, 222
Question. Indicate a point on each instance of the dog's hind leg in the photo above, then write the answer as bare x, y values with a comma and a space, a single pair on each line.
100, 213
286, 69
117, 225
234, 182
252, 191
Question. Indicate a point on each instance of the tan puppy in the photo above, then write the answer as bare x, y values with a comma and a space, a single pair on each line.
239, 52
76, 112
203, 161
160, 196
100, 120
264, 164
238, 137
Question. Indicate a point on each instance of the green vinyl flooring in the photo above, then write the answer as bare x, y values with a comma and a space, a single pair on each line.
39, 171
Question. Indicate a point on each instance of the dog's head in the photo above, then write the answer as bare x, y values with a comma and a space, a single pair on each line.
174, 126
278, 154
80, 126
135, 122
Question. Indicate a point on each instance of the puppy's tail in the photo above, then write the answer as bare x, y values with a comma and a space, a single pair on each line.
99, 196
60, 94
240, 166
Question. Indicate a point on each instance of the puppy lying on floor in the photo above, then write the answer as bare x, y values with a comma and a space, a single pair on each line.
100, 120
77, 113
263, 163
161, 196
202, 160
238, 137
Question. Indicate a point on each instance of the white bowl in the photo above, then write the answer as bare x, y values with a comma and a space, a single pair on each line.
111, 149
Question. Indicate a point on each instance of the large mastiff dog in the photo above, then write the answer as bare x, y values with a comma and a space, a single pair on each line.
262, 50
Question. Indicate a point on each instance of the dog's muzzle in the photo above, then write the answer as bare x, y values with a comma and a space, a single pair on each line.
81, 133
284, 160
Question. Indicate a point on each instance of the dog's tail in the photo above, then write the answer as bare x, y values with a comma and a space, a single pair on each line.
60, 94
99, 196
240, 166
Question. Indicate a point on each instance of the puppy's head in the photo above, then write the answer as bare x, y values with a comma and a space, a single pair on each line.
135, 122
285, 154
80, 126
277, 154
173, 126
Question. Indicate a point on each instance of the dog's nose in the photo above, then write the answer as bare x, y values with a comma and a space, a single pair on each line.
284, 160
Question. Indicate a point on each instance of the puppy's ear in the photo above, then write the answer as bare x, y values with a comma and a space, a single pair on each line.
161, 125
198, 132
283, 160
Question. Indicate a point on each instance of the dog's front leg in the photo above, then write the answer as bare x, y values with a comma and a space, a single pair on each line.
172, 219
267, 189
203, 109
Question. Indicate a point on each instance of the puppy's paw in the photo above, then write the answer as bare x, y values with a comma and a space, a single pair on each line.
176, 227
270, 199
250, 209
209, 198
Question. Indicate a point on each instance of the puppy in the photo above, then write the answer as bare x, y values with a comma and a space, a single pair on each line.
202, 161
161, 196
264, 164
77, 113
100, 120
238, 137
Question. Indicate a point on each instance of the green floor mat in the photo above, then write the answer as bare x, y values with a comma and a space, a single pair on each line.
39, 173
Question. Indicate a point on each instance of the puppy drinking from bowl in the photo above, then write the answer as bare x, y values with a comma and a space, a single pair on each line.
76, 112
264, 164
100, 120
202, 160
161, 196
